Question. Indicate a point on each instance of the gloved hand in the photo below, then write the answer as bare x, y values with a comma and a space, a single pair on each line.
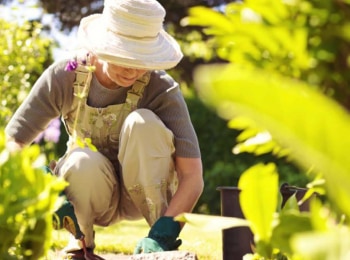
161, 237
65, 217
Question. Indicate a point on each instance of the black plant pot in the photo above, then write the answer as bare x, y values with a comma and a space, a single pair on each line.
238, 241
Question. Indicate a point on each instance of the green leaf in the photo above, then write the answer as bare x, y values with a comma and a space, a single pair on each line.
333, 244
205, 16
241, 123
208, 222
258, 198
321, 221
90, 145
311, 125
291, 204
289, 224
27, 200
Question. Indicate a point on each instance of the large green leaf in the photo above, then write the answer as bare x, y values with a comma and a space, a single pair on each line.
289, 224
312, 126
200, 15
258, 198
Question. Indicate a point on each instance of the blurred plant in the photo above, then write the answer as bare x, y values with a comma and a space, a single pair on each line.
281, 233
286, 58
28, 199
24, 54
313, 131
305, 40
220, 167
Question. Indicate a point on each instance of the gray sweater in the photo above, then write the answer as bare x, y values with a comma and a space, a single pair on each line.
52, 96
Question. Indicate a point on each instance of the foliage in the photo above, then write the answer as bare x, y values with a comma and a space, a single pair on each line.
70, 12
220, 166
297, 39
307, 40
24, 54
279, 233
275, 49
28, 198
294, 127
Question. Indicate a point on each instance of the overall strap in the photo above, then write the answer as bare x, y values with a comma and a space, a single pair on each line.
81, 77
136, 92
82, 74
81, 84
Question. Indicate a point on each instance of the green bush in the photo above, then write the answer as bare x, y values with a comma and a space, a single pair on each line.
27, 201
27, 195
218, 163
302, 39
24, 55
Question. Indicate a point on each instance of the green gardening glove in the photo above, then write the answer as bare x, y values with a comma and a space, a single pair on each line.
161, 237
65, 217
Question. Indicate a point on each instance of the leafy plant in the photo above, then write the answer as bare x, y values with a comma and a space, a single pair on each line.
303, 39
282, 55
24, 54
27, 201
220, 166
299, 39
313, 132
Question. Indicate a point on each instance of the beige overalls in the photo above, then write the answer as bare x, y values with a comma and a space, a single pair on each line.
130, 176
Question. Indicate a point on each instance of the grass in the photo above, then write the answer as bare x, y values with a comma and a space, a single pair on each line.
122, 237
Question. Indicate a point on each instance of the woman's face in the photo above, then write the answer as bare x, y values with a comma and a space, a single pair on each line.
122, 76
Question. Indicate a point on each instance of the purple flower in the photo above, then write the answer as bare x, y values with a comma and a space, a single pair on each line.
71, 65
52, 132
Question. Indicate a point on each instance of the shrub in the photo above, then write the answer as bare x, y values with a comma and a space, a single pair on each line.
27, 201
24, 55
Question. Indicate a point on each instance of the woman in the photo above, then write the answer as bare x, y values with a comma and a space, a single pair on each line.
132, 150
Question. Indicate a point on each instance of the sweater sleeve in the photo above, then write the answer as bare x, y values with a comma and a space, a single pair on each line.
44, 103
164, 97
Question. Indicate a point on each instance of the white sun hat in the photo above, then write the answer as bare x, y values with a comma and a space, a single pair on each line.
130, 33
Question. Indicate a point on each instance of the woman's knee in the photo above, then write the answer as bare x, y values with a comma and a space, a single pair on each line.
92, 184
143, 124
143, 121
87, 168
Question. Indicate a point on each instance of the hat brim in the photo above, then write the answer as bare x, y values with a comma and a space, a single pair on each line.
161, 52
